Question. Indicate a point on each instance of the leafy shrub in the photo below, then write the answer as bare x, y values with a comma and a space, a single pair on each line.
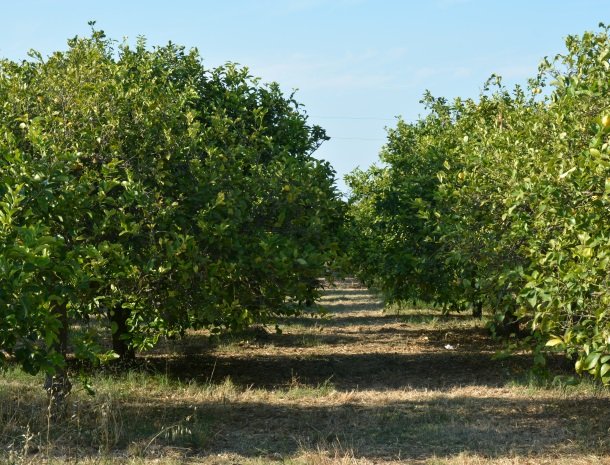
503, 202
144, 193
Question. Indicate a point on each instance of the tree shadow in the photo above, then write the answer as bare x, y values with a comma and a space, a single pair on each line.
203, 345
470, 339
417, 430
309, 340
352, 307
339, 320
377, 371
336, 319
422, 317
445, 357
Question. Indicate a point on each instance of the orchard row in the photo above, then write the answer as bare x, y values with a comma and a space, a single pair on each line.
503, 203
142, 195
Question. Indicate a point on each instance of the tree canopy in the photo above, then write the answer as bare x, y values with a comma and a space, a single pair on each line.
502, 201
146, 194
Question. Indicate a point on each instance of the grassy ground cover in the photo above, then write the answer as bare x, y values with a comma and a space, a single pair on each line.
361, 385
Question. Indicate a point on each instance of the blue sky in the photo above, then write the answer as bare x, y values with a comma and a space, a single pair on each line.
357, 64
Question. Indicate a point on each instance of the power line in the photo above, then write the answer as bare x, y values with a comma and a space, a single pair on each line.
357, 138
371, 118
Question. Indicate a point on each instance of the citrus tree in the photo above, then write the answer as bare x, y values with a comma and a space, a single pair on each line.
145, 194
513, 215
396, 245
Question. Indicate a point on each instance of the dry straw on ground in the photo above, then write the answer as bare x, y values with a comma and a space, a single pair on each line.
359, 386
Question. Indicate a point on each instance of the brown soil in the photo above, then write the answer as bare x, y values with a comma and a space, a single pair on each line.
385, 387
358, 386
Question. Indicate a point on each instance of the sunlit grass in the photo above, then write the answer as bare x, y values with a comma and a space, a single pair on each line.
357, 415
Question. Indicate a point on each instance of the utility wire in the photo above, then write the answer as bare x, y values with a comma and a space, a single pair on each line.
372, 118
357, 138
355, 118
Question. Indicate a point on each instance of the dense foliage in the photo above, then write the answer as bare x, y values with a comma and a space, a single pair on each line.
504, 202
144, 193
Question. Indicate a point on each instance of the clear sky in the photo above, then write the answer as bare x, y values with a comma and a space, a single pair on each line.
357, 64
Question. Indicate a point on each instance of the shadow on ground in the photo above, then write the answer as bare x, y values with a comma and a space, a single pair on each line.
359, 334
419, 429
379, 360
347, 372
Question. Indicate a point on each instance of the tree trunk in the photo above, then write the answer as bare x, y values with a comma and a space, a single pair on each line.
477, 304
477, 309
58, 385
121, 335
509, 325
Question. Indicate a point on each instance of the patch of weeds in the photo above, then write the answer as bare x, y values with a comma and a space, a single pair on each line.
224, 392
191, 431
297, 390
430, 317
326, 454
21, 448
135, 383
402, 307
535, 380
431, 321
310, 340
98, 420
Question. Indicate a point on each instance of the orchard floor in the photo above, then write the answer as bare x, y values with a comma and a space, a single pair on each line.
358, 386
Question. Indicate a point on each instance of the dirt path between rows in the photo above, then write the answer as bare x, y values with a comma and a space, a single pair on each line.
356, 346
379, 387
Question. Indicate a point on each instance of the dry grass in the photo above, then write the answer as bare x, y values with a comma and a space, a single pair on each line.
360, 386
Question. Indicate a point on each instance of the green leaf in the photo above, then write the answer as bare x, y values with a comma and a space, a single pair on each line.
554, 342
591, 361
